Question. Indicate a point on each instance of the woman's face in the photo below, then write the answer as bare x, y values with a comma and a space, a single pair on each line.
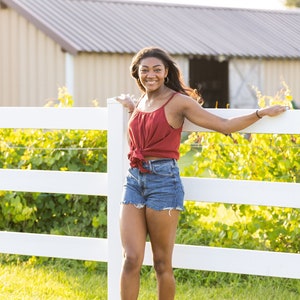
152, 73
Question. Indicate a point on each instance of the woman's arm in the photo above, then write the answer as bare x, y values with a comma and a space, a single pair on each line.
127, 101
201, 117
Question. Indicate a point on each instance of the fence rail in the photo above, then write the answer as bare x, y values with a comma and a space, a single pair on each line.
114, 119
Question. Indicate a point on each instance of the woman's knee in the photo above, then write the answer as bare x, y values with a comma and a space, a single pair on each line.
132, 262
162, 266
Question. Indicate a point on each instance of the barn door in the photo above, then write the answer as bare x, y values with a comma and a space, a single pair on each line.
243, 75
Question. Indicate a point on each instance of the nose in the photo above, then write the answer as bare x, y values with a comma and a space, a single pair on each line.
151, 73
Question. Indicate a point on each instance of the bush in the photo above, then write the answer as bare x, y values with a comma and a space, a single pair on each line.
64, 150
263, 157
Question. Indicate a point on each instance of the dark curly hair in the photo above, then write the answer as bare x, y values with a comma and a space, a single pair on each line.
175, 81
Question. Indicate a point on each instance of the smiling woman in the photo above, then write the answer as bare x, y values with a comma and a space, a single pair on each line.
153, 192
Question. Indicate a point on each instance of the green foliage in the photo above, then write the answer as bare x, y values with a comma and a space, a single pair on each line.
240, 226
64, 150
264, 157
61, 150
282, 97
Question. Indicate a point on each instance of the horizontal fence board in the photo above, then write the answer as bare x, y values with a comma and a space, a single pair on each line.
288, 122
253, 262
48, 245
263, 263
81, 183
242, 191
54, 118
96, 118
92, 183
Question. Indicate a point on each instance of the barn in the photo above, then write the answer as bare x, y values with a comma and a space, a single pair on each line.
87, 46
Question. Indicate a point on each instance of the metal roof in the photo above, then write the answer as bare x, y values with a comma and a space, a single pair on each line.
127, 26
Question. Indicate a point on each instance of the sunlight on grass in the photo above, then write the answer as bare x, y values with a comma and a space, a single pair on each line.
28, 282
58, 282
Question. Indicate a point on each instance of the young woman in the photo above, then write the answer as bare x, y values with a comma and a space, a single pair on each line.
153, 192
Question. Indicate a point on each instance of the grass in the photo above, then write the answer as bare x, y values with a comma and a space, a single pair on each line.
59, 279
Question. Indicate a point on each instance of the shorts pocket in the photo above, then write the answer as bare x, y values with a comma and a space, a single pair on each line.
163, 169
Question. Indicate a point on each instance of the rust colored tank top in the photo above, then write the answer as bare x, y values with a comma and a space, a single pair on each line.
150, 134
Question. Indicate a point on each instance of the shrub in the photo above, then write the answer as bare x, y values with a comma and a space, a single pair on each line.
64, 150
264, 157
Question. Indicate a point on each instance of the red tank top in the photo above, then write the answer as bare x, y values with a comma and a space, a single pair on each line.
150, 134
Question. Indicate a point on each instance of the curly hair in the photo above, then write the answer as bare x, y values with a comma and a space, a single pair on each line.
175, 81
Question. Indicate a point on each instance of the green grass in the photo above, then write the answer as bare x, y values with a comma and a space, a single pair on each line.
60, 281
64, 279
201, 285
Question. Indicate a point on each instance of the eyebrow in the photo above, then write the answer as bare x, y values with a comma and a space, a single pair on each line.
145, 66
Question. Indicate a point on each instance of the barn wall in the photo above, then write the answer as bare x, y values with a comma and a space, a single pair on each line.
101, 76
31, 64
276, 71
32, 67
266, 75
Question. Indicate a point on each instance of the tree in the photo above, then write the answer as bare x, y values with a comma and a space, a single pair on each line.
292, 3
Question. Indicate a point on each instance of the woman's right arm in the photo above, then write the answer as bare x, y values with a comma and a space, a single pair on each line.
127, 101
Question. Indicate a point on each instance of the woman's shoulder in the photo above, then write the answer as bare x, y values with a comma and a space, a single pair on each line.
181, 103
183, 99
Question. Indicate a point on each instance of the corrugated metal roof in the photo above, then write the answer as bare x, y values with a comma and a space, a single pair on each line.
127, 26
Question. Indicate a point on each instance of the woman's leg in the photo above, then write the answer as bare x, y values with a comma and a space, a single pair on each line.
162, 231
133, 236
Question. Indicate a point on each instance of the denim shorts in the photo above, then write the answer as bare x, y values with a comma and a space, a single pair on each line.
160, 189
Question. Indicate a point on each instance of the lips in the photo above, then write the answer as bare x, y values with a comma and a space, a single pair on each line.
151, 81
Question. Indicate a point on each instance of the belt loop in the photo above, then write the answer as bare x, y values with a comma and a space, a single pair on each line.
150, 165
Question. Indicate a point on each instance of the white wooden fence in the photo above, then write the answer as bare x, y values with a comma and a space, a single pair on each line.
114, 119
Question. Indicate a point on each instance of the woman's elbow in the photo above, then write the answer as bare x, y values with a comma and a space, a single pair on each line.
225, 128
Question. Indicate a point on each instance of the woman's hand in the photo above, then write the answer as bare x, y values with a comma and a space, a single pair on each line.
127, 101
272, 111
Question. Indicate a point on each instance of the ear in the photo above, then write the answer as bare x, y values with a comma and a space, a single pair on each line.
166, 72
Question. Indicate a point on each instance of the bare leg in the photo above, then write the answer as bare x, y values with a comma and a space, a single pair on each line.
162, 231
133, 235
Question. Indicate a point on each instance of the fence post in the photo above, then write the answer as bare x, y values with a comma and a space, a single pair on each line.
117, 149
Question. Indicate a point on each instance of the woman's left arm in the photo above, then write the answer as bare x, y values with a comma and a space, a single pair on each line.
241, 122
201, 117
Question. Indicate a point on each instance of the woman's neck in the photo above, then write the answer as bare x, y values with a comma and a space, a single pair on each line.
157, 94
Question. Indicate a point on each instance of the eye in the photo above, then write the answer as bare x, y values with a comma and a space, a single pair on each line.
157, 70
143, 70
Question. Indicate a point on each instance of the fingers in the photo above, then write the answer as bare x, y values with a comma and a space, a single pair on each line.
279, 109
124, 97
126, 100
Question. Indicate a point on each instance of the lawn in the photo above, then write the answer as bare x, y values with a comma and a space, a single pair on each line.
65, 279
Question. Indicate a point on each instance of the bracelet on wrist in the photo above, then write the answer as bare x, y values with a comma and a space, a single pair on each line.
257, 114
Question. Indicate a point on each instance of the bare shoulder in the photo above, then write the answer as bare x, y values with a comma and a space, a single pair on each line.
184, 101
186, 104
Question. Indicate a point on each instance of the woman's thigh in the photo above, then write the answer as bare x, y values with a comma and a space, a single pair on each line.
133, 230
162, 227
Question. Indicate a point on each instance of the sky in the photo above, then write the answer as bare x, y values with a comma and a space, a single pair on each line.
260, 4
